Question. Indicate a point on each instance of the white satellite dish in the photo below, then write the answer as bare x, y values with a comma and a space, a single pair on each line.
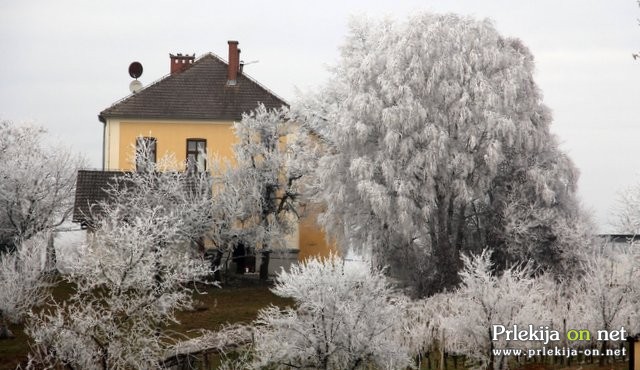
135, 86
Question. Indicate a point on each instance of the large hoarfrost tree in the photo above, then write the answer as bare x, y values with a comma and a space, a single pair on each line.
346, 317
134, 274
440, 144
37, 182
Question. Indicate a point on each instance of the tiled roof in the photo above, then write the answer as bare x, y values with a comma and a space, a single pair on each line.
620, 238
90, 190
200, 92
92, 186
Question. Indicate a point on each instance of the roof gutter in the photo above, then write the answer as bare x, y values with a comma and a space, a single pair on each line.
104, 134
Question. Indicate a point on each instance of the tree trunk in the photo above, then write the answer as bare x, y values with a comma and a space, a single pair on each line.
442, 354
50, 266
239, 256
215, 265
444, 252
264, 265
5, 333
603, 348
491, 357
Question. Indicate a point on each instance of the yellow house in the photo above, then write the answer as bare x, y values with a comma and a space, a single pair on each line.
190, 110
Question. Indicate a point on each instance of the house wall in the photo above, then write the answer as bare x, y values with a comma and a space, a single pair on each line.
171, 136
311, 238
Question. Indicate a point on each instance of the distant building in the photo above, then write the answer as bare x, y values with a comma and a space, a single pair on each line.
190, 110
620, 239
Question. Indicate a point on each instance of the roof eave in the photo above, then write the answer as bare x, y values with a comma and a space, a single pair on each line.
179, 118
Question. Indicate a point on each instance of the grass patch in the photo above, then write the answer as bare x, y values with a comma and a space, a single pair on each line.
220, 306
217, 307
14, 351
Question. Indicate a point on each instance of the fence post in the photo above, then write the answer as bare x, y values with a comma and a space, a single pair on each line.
442, 359
633, 342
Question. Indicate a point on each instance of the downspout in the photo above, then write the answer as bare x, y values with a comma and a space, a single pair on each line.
104, 138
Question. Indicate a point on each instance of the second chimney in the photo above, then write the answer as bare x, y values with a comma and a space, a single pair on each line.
180, 63
234, 63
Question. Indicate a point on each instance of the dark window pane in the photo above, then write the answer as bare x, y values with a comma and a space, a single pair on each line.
196, 160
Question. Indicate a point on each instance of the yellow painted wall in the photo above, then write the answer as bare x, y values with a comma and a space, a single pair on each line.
171, 137
311, 239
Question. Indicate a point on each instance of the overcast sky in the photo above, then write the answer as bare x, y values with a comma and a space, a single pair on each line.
65, 61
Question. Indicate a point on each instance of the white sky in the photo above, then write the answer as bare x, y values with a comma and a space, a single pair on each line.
65, 61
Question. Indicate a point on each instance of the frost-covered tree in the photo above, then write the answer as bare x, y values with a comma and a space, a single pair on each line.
437, 140
136, 272
162, 186
627, 212
486, 298
562, 309
23, 283
426, 334
37, 183
345, 317
609, 293
533, 213
263, 185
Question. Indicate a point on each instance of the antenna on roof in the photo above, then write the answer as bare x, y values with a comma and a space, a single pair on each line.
242, 64
135, 71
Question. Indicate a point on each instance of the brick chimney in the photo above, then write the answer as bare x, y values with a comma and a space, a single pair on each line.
234, 63
180, 63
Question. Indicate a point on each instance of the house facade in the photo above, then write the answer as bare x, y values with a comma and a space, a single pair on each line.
191, 111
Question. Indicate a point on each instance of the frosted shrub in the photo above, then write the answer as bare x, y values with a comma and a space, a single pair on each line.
22, 282
608, 293
485, 298
345, 317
